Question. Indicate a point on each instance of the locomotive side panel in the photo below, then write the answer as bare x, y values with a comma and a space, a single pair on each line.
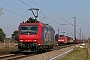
44, 36
47, 36
53, 35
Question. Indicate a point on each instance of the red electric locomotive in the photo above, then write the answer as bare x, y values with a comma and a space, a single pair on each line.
35, 36
64, 40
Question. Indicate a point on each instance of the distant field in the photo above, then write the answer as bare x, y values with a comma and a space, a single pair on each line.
4, 47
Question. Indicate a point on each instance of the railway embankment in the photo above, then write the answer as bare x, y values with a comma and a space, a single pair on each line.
80, 53
88, 47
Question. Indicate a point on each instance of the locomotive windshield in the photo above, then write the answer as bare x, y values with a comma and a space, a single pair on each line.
28, 29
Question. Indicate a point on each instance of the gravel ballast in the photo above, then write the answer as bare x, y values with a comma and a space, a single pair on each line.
48, 55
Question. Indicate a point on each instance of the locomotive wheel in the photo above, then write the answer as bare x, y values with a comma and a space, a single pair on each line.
43, 50
39, 50
48, 49
51, 46
20, 48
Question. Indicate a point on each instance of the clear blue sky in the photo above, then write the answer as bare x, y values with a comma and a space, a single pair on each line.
52, 10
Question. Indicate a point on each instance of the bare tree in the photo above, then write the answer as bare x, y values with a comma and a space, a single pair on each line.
1, 11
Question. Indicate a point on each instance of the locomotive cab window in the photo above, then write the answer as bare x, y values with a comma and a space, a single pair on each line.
33, 29
29, 29
23, 29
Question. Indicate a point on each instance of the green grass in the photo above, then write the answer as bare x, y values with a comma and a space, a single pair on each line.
77, 54
88, 45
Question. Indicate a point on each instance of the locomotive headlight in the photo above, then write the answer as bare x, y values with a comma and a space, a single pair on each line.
62, 40
35, 40
58, 40
39, 44
21, 40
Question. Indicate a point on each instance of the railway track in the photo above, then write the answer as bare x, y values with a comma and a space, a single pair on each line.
22, 55
16, 56
11, 57
63, 46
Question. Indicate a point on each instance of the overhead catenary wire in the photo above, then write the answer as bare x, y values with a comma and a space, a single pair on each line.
31, 7
40, 12
46, 15
25, 3
20, 9
53, 14
12, 6
14, 13
50, 18
11, 11
42, 18
67, 21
